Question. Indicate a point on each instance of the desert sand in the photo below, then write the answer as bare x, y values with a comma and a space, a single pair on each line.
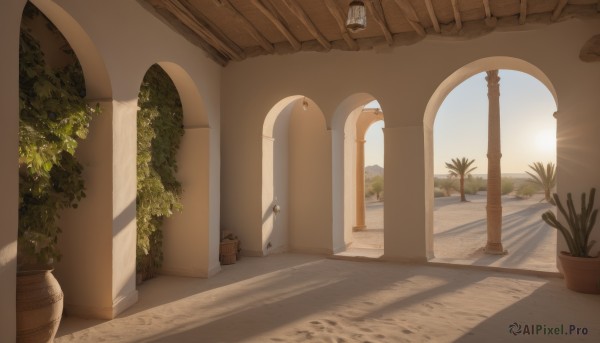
460, 233
309, 298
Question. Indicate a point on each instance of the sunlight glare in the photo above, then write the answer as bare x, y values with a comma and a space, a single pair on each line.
545, 141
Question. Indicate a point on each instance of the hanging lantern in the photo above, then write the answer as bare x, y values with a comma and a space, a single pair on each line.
357, 16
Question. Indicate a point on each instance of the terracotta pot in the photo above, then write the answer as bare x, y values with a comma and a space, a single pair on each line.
582, 274
39, 306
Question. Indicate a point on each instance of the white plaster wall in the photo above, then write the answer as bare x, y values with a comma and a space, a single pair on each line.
116, 42
404, 80
276, 233
310, 174
186, 233
10, 18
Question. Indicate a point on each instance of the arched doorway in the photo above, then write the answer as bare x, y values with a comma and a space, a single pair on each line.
514, 143
368, 232
186, 240
295, 167
85, 270
351, 121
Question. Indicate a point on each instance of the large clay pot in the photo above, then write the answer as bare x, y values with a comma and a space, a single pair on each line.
39, 306
582, 274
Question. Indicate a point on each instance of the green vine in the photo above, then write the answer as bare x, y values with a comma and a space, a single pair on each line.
160, 128
53, 117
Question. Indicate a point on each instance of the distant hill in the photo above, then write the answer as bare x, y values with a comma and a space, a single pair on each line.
484, 176
373, 170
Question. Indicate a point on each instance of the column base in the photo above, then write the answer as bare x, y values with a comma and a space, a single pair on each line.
495, 249
359, 228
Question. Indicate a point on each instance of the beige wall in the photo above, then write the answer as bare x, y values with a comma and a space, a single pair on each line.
408, 82
276, 226
116, 42
185, 234
310, 181
10, 18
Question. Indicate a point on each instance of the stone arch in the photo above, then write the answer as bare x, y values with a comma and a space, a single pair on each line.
97, 81
478, 66
438, 97
344, 167
281, 230
186, 238
194, 113
87, 271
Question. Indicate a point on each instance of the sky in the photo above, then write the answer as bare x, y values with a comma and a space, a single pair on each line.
527, 125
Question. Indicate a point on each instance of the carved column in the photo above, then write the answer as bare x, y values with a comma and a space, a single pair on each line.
494, 193
360, 185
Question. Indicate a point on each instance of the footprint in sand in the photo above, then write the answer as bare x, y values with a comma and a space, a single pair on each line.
331, 322
366, 330
277, 340
407, 331
306, 334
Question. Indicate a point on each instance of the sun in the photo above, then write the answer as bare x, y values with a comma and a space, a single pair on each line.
545, 141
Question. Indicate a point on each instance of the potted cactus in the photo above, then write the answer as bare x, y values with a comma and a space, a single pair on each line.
580, 268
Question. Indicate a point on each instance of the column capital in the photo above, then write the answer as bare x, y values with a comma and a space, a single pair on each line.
492, 77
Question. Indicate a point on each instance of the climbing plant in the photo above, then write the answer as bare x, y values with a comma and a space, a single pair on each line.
160, 128
53, 117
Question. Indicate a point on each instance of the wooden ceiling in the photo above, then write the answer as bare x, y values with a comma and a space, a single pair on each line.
237, 29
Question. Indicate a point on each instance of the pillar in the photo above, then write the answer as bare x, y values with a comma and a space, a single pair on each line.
360, 185
10, 18
494, 191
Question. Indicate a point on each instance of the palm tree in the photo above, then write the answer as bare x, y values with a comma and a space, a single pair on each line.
461, 168
545, 177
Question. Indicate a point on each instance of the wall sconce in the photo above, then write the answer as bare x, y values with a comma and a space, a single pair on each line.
304, 104
276, 209
357, 16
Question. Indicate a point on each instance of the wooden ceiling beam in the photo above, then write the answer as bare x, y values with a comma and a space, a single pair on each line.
558, 9
293, 6
411, 16
246, 25
202, 29
456, 11
188, 33
486, 6
335, 11
377, 11
523, 12
432, 16
273, 18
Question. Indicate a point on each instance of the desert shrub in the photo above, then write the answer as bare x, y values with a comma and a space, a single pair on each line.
471, 188
447, 185
474, 184
526, 190
438, 193
507, 185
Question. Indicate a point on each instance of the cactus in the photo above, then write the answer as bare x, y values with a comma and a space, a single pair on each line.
579, 225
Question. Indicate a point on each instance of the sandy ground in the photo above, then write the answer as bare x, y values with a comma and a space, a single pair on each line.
460, 233
307, 298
